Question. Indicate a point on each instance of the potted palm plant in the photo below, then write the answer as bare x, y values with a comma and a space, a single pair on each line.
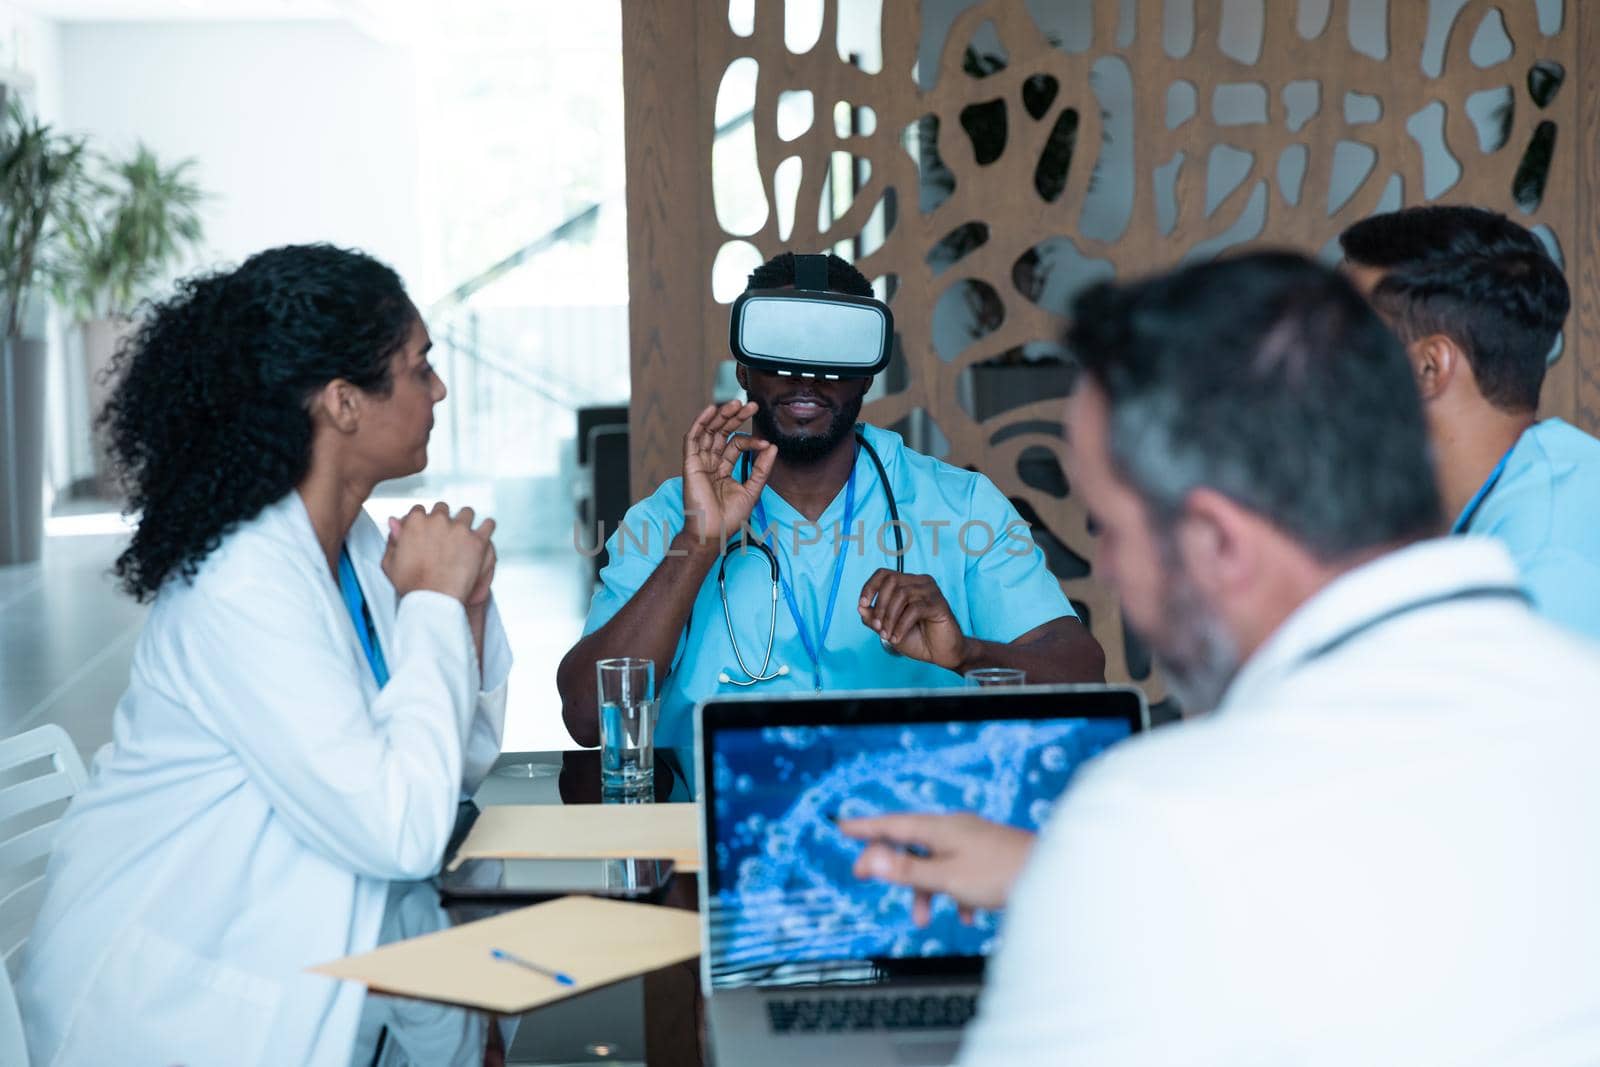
39, 175
139, 221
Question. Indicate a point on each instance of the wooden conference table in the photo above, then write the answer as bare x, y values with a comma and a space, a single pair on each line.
655, 1019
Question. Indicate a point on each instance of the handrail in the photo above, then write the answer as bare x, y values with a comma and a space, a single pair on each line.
563, 230
474, 352
733, 124
567, 228
456, 299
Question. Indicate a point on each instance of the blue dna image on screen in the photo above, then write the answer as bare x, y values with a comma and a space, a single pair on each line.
783, 889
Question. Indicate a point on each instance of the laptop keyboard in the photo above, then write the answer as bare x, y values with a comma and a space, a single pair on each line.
836, 1014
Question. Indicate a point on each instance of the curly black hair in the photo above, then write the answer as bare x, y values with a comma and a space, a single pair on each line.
209, 421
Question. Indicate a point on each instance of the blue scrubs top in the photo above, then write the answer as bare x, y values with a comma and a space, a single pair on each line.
998, 586
1545, 507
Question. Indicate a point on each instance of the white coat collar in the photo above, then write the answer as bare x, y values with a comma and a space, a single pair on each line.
1416, 573
366, 545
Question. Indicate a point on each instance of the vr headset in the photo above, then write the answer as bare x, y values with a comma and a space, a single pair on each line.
809, 331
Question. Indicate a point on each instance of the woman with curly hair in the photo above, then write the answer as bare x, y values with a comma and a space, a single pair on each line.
309, 697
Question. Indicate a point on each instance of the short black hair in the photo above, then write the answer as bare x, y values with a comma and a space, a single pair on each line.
1270, 380
779, 271
1476, 277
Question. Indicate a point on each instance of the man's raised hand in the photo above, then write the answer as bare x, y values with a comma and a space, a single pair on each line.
715, 504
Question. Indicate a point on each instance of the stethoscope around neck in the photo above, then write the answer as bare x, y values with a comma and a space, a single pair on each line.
752, 677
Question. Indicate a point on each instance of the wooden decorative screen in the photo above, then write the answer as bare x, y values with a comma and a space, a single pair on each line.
984, 160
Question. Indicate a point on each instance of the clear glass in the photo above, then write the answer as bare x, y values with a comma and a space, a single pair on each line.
626, 690
996, 676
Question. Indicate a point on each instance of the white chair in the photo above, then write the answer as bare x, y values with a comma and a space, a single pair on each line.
13, 1049
38, 770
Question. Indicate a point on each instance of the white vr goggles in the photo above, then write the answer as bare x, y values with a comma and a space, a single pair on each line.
809, 331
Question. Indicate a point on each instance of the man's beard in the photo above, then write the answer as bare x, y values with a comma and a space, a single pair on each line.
1198, 657
804, 449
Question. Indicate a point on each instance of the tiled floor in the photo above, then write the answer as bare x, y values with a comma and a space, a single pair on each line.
66, 640
67, 637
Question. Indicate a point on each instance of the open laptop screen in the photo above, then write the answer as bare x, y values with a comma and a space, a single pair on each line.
781, 896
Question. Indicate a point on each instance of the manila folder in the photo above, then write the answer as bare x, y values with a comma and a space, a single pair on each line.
586, 831
595, 942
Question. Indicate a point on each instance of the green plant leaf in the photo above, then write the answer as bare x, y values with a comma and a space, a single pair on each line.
139, 222
41, 185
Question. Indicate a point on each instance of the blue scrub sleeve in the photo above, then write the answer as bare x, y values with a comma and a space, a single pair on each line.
1566, 590
634, 550
1009, 587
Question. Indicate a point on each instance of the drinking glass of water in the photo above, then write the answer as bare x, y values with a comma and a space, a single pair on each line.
987, 676
627, 693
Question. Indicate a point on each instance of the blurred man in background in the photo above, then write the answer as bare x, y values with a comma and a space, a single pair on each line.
1479, 305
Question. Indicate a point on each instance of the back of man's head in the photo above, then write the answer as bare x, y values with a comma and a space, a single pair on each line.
1269, 379
1473, 276
778, 272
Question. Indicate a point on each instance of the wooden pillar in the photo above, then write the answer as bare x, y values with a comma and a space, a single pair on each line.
1583, 262
667, 153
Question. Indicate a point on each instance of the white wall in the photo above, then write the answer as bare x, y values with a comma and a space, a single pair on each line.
306, 131
31, 46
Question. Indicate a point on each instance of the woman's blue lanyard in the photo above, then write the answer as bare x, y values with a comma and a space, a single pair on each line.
356, 604
814, 651
1471, 510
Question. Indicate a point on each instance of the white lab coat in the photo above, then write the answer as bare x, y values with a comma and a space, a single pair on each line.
1384, 854
259, 795
402, 1032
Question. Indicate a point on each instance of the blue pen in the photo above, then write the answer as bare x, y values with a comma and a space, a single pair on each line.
512, 957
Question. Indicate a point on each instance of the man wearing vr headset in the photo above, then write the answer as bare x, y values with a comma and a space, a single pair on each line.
816, 554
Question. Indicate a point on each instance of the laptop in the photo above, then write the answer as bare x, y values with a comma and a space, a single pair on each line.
801, 963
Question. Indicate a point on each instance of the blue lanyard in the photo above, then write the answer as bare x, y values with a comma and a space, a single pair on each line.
1484, 490
356, 604
814, 651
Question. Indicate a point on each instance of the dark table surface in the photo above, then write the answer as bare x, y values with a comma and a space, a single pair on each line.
656, 1019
